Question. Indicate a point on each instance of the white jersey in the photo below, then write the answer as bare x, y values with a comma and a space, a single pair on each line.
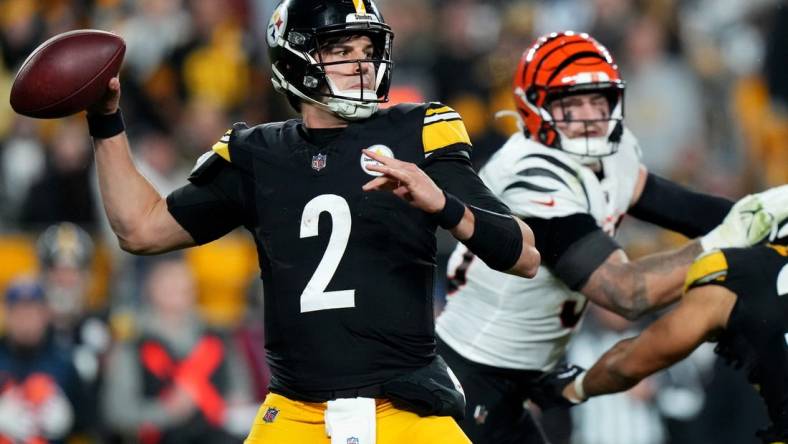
506, 321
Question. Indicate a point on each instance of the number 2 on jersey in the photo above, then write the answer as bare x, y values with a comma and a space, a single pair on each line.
315, 297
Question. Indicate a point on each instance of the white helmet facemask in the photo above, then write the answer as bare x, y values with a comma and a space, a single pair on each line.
589, 150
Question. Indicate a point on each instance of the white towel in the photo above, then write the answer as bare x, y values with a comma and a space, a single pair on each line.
351, 421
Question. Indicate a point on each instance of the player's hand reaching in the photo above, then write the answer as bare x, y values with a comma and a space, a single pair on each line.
556, 388
407, 181
111, 100
752, 219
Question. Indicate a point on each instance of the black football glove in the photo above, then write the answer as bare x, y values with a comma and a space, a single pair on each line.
548, 389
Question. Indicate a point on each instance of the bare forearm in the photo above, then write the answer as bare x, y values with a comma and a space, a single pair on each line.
632, 289
609, 375
128, 197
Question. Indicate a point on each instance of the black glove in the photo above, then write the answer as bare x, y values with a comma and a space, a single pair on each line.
548, 389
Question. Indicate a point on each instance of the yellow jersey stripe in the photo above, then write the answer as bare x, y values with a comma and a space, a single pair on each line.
444, 133
443, 109
360, 8
222, 147
710, 267
782, 250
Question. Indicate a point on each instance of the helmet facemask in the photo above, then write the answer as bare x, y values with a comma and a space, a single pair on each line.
586, 147
560, 65
301, 70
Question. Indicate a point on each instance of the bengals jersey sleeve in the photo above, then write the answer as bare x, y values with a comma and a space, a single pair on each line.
535, 181
214, 202
549, 191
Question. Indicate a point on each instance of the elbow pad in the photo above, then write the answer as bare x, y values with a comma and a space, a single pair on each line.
496, 239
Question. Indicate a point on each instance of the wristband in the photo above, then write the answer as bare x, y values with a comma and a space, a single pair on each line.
104, 126
452, 212
579, 390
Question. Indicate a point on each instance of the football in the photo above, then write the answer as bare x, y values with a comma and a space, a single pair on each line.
67, 73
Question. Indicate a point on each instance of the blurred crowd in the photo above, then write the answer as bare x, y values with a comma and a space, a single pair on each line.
102, 346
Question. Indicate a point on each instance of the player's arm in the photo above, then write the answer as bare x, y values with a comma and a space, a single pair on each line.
634, 288
671, 206
703, 311
137, 213
144, 221
588, 260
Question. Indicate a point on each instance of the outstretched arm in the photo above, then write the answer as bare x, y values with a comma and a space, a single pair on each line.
632, 289
137, 212
702, 313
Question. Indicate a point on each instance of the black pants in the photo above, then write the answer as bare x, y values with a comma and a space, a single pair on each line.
494, 410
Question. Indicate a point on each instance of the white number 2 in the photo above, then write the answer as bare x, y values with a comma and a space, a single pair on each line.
314, 297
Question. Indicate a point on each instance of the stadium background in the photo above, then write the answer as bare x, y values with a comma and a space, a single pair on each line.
706, 95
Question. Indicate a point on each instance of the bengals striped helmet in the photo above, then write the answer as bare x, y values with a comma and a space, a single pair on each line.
562, 64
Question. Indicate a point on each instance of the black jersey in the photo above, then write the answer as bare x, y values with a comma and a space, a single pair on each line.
755, 337
348, 275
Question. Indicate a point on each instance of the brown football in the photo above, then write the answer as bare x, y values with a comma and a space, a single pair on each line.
67, 73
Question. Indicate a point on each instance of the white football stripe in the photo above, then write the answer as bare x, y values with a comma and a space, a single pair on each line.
445, 116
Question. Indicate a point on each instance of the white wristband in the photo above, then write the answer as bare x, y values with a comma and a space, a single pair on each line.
579, 391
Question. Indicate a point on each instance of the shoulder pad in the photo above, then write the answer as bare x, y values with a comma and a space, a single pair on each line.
206, 167
442, 128
222, 147
404, 108
708, 268
220, 154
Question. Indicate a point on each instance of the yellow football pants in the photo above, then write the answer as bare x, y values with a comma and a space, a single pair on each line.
281, 420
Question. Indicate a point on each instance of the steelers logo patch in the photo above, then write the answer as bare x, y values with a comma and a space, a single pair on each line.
381, 150
277, 25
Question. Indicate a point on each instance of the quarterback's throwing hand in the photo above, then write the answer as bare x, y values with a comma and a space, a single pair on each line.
407, 181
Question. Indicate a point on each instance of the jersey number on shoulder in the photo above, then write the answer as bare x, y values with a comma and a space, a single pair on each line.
315, 297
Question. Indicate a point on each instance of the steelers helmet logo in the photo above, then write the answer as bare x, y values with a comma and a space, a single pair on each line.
381, 150
276, 26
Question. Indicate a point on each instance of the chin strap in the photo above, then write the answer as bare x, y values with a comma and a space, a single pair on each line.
346, 109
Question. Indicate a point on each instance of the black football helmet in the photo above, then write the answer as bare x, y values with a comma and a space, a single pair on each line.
296, 32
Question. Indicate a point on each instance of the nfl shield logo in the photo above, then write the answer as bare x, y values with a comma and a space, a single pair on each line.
270, 415
352, 440
318, 162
